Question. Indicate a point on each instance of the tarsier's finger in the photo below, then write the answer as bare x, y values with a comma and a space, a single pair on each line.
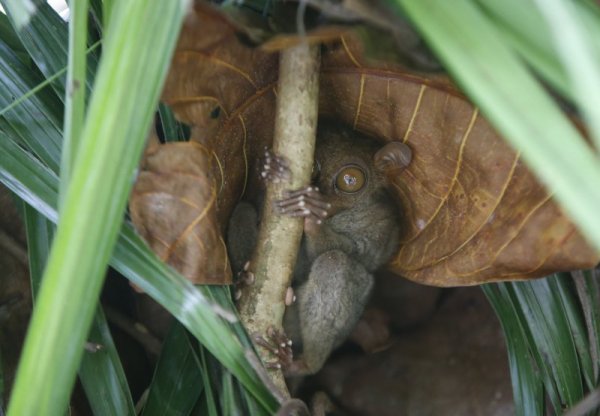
317, 217
273, 365
274, 168
312, 191
261, 341
303, 200
303, 207
304, 210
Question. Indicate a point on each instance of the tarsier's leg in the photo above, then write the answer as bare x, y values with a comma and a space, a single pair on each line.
331, 302
242, 234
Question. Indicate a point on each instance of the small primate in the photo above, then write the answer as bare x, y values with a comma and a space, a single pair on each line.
351, 228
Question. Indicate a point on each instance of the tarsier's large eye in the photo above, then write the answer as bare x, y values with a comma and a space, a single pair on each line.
350, 179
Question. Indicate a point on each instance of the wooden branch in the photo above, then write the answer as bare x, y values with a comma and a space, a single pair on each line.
262, 305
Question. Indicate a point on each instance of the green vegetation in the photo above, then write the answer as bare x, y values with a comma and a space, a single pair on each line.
504, 55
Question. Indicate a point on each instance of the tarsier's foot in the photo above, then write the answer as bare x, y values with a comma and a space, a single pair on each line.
278, 344
245, 278
274, 168
307, 202
293, 407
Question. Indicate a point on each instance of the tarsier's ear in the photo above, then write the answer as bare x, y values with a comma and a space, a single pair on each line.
393, 156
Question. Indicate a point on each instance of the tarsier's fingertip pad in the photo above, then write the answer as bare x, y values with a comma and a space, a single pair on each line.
290, 297
394, 155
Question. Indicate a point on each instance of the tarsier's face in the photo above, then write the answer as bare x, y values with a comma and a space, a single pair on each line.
344, 169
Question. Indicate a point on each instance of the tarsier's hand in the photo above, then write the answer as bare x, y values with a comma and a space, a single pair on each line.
307, 202
278, 344
274, 168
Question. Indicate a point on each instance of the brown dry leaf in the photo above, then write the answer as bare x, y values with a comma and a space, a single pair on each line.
173, 206
472, 211
185, 191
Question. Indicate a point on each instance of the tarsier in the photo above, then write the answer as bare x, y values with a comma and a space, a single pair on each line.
351, 228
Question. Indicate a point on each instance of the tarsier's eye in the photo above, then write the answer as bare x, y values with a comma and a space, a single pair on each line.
350, 179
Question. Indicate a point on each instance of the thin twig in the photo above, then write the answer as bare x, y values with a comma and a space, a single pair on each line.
262, 306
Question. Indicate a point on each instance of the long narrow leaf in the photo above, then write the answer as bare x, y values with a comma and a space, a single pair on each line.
588, 291
25, 175
101, 372
22, 11
75, 99
9, 36
526, 383
173, 131
472, 49
37, 120
561, 284
107, 9
34, 183
40, 232
129, 78
46, 40
210, 399
573, 44
525, 29
546, 318
177, 382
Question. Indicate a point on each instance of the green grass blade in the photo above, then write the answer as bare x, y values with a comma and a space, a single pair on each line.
573, 44
545, 317
177, 382
101, 372
46, 41
96, 27
10, 37
229, 402
525, 30
102, 375
542, 365
562, 284
173, 130
37, 185
129, 78
588, 291
25, 175
472, 49
526, 383
75, 98
209, 397
40, 232
107, 9
21, 10
37, 120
